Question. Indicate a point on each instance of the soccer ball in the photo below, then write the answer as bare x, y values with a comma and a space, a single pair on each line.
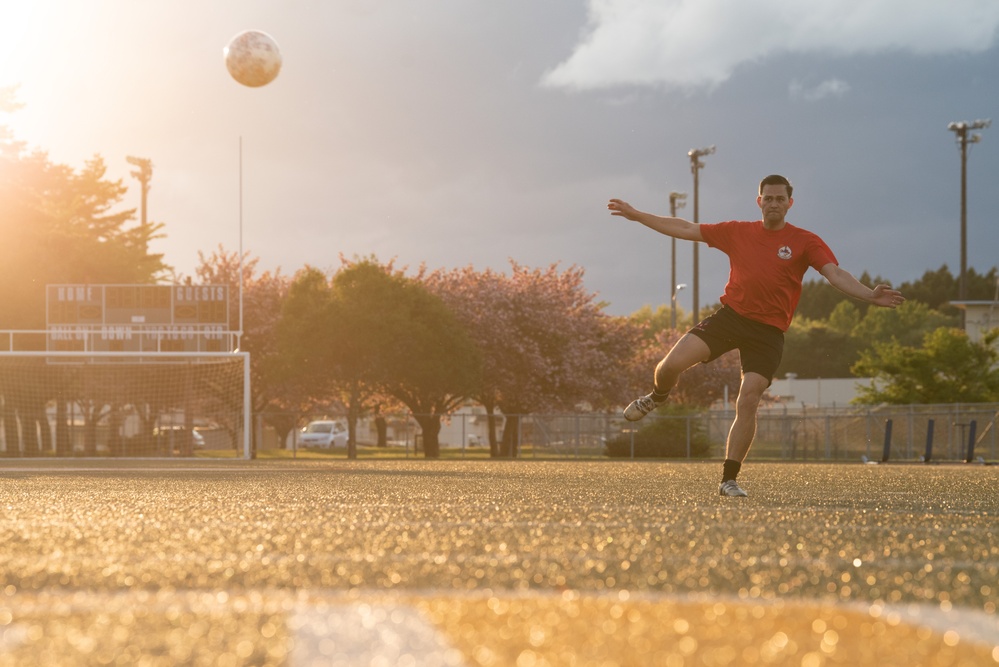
252, 58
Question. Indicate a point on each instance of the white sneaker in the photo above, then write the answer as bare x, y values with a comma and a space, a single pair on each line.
732, 488
640, 407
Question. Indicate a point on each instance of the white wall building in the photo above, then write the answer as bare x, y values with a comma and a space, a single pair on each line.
979, 317
817, 392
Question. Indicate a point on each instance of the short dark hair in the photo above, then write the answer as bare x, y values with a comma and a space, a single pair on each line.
777, 179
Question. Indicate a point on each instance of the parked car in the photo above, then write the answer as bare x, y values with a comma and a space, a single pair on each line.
324, 434
174, 434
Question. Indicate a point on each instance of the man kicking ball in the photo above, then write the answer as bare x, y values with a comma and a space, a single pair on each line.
768, 259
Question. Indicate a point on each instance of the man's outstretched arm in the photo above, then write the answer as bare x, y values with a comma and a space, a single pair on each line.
675, 227
843, 280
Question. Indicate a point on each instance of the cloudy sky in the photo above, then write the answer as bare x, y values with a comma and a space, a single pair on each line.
457, 132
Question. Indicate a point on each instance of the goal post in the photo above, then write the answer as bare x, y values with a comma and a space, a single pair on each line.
124, 404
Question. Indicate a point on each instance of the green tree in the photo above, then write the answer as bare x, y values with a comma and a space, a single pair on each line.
372, 331
934, 288
367, 327
819, 299
331, 341
60, 225
425, 357
947, 368
983, 287
659, 319
937, 288
815, 349
325, 362
844, 318
830, 347
908, 324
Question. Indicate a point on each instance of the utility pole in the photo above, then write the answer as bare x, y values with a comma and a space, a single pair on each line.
144, 174
695, 156
676, 200
963, 139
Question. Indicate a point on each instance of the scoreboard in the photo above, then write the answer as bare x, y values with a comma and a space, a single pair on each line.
138, 318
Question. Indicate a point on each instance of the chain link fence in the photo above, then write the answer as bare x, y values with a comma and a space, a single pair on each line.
949, 432
952, 432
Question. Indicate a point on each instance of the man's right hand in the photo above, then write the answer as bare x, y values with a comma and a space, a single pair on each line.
622, 208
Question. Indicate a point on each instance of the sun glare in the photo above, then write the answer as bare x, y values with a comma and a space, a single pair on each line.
37, 42
19, 23
19, 53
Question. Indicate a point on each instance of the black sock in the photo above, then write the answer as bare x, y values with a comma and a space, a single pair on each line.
730, 470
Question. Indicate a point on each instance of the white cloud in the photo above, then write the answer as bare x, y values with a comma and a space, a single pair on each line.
689, 44
828, 88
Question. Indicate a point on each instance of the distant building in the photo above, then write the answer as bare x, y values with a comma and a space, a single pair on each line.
979, 317
816, 392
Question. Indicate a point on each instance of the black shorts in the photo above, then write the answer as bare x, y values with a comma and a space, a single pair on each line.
760, 345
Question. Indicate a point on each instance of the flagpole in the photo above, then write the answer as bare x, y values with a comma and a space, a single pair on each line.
239, 278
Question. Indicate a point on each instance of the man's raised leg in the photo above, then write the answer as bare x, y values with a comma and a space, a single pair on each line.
688, 351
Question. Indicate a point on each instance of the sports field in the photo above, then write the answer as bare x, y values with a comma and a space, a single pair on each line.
517, 563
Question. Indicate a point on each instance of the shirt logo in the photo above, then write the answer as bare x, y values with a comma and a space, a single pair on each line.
784, 252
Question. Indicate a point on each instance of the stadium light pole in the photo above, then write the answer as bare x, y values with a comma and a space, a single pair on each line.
695, 156
143, 174
676, 200
961, 129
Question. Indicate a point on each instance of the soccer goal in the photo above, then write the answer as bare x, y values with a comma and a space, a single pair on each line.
124, 404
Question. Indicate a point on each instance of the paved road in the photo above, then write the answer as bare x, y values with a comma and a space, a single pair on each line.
496, 563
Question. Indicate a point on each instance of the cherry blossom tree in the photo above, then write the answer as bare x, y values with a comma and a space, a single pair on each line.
273, 394
546, 343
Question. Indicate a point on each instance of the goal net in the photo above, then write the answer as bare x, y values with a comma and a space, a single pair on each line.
126, 404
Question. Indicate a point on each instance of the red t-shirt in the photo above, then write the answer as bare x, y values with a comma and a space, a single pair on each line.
764, 283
